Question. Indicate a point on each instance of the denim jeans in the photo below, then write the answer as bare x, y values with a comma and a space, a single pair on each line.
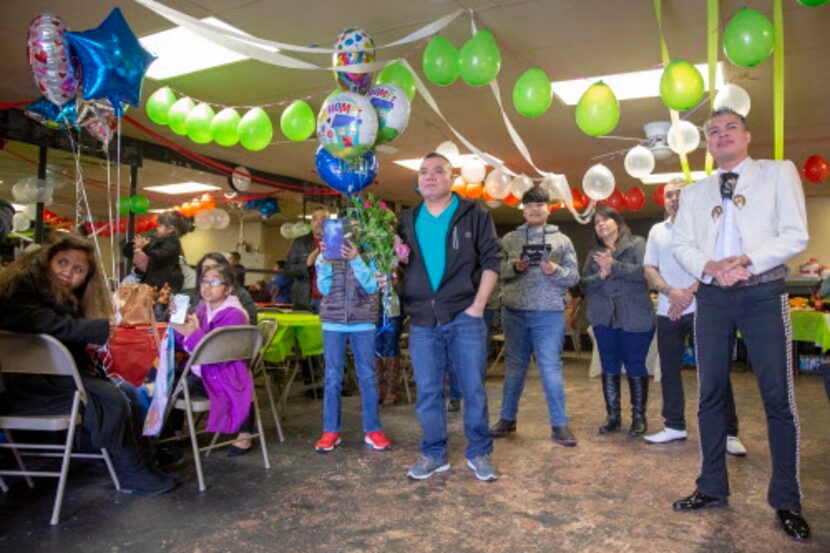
618, 347
459, 343
334, 352
540, 333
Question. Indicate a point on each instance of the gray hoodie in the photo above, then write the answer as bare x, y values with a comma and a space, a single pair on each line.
532, 290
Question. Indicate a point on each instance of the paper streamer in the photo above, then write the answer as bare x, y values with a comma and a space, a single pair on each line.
712, 23
778, 80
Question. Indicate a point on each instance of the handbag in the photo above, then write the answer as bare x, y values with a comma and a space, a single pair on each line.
135, 303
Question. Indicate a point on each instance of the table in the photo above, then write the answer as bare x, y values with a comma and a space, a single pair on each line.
811, 326
300, 329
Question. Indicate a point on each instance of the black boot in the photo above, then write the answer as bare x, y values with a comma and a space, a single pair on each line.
639, 396
135, 477
611, 392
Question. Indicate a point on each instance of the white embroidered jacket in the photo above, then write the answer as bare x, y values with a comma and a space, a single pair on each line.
769, 213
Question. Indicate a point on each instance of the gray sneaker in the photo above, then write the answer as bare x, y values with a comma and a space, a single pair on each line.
426, 467
483, 468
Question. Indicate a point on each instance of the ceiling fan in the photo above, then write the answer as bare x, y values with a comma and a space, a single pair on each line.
656, 140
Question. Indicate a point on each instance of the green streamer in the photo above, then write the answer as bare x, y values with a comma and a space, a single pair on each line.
712, 21
778, 80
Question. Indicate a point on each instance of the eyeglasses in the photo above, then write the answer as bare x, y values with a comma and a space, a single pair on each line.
213, 282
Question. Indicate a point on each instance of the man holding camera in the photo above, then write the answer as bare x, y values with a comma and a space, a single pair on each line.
538, 268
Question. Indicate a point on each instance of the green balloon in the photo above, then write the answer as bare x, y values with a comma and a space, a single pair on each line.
255, 130
598, 110
297, 122
479, 60
224, 127
748, 39
399, 76
139, 204
440, 61
198, 124
158, 105
177, 115
813, 3
124, 205
532, 93
681, 87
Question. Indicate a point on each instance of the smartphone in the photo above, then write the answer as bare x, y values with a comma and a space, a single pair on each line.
333, 238
182, 302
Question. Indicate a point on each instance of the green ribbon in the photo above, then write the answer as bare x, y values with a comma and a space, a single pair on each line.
712, 22
778, 80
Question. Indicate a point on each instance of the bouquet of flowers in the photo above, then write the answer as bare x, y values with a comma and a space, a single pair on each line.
374, 233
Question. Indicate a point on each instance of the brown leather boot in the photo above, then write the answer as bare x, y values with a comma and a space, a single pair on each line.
391, 379
380, 374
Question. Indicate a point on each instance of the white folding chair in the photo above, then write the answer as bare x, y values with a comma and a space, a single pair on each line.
229, 343
268, 327
44, 355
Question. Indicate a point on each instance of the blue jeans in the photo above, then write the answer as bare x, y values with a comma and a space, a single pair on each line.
618, 347
539, 332
459, 343
363, 350
455, 387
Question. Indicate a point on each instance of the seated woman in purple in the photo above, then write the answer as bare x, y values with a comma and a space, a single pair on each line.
228, 385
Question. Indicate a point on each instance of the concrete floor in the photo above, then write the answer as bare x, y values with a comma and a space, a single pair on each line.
608, 494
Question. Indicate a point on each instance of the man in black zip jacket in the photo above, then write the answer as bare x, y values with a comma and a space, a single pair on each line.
452, 269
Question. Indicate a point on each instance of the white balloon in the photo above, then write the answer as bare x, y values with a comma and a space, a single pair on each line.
733, 97
286, 230
203, 221
497, 184
598, 182
299, 229
520, 185
30, 211
473, 171
450, 151
556, 186
37, 190
683, 137
241, 179
220, 218
639, 162
20, 222
493, 204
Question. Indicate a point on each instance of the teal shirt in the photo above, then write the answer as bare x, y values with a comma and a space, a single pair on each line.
432, 239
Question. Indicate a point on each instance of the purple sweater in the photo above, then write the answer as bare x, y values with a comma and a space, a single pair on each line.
228, 384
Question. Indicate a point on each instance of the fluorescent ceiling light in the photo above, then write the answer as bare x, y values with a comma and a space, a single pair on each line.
628, 86
18, 207
415, 164
180, 51
663, 178
182, 188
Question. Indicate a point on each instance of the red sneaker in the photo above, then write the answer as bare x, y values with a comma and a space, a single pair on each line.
377, 440
327, 442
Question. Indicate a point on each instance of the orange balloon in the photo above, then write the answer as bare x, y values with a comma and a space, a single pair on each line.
511, 200
196, 206
208, 202
186, 209
487, 197
460, 187
474, 191
557, 206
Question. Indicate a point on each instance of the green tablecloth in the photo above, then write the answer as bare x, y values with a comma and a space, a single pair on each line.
811, 326
302, 329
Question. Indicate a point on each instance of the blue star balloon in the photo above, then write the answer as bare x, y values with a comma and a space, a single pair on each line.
45, 112
113, 62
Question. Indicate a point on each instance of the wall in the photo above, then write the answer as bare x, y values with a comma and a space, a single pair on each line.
818, 221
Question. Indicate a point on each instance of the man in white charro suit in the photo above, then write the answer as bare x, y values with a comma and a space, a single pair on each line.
734, 231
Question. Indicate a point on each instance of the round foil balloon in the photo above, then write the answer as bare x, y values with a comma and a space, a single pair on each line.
497, 184
347, 125
51, 60
473, 171
683, 137
639, 162
348, 176
353, 46
598, 182
392, 108
733, 97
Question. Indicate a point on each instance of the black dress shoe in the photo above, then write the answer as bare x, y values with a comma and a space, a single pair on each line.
234, 451
454, 405
563, 436
794, 524
502, 428
698, 501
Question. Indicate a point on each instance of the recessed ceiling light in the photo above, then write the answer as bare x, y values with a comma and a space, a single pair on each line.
628, 86
180, 51
663, 178
415, 164
182, 188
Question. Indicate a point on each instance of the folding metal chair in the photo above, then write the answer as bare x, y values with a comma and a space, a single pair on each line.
43, 354
268, 327
229, 343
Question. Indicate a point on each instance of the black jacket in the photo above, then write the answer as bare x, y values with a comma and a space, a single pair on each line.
472, 246
295, 267
162, 262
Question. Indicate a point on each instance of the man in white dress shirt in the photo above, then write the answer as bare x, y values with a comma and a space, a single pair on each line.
675, 321
734, 232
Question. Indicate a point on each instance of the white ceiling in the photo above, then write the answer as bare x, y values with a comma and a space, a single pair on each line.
566, 38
